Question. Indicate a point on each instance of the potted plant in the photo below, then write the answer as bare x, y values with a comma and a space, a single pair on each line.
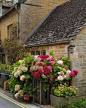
63, 94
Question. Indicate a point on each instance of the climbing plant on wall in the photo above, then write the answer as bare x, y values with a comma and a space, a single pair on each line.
12, 48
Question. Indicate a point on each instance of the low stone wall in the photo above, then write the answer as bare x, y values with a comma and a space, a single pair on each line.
56, 101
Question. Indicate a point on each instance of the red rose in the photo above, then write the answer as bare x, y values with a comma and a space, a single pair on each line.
26, 97
75, 72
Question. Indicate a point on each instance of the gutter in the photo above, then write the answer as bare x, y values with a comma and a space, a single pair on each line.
46, 44
16, 8
8, 11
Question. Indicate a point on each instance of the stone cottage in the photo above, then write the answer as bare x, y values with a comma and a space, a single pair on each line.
63, 32
26, 14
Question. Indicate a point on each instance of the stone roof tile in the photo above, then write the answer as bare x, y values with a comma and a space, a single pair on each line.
63, 24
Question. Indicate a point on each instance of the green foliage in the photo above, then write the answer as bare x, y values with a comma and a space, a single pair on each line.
66, 61
65, 91
12, 47
5, 68
26, 85
81, 103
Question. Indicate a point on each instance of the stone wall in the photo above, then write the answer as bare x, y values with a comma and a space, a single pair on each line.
59, 50
5, 22
78, 59
33, 11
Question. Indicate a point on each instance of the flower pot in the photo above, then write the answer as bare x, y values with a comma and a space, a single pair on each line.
56, 101
3, 78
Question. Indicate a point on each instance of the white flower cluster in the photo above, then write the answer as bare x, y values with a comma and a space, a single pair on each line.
18, 71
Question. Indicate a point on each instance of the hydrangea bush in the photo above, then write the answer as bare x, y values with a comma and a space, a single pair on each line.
43, 68
21, 80
53, 72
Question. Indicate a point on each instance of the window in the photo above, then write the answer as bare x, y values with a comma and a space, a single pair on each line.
32, 52
8, 0
43, 52
0, 10
38, 52
15, 1
9, 30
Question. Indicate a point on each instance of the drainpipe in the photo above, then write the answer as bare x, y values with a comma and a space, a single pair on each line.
68, 49
17, 21
68, 56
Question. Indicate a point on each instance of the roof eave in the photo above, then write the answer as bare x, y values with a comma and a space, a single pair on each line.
28, 46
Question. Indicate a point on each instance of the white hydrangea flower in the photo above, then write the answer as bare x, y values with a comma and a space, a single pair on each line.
22, 77
15, 75
60, 62
60, 78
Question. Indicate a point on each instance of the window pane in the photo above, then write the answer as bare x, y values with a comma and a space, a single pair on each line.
0, 10
37, 52
10, 30
43, 52
32, 52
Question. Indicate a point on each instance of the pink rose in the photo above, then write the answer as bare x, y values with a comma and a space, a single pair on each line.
50, 67
72, 74
52, 62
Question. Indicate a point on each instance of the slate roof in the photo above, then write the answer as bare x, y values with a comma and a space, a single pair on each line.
63, 24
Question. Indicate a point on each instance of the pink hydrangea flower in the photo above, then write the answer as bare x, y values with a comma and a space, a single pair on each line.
16, 95
69, 71
51, 79
60, 62
75, 72
50, 67
59, 73
60, 78
64, 76
22, 78
52, 62
72, 74
49, 58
